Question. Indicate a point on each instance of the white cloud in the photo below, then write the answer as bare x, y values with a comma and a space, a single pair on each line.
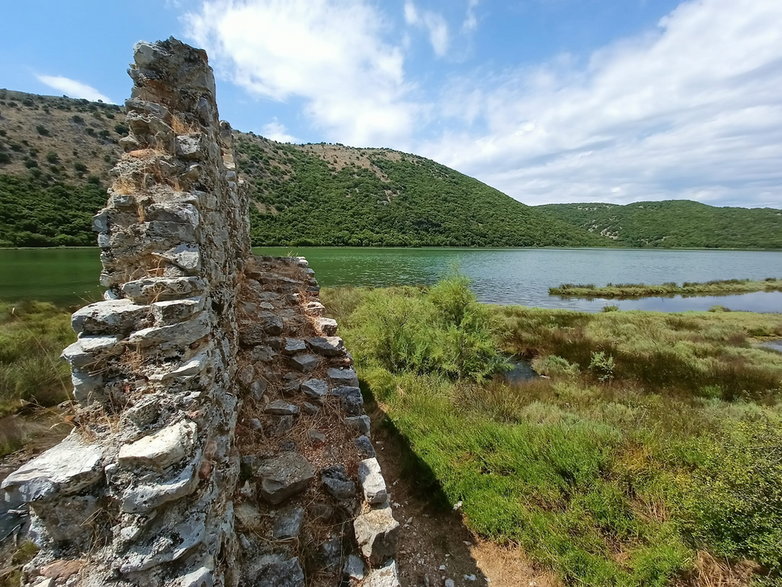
330, 53
470, 22
689, 110
276, 131
433, 23
72, 88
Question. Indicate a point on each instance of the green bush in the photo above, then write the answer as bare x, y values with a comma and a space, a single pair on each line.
442, 331
733, 503
554, 366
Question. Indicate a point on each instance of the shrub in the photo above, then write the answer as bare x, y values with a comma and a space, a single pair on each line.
5, 158
42, 130
52, 157
602, 365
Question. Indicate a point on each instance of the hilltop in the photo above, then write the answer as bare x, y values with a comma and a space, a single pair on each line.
56, 154
674, 224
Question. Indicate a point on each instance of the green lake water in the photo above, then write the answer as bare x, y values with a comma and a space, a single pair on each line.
501, 276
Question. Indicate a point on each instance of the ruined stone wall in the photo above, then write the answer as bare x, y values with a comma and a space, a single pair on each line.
158, 484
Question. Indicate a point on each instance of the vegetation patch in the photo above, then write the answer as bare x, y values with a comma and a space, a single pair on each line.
651, 452
688, 288
32, 336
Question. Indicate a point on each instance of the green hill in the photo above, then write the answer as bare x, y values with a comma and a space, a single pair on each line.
56, 154
335, 195
674, 224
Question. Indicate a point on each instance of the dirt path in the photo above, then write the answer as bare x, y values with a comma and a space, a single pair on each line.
434, 544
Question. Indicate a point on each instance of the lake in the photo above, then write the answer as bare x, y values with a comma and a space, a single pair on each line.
499, 276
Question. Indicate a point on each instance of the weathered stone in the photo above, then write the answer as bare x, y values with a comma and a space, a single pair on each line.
255, 424
170, 311
364, 446
359, 423
314, 308
372, 482
283, 425
281, 408
331, 346
66, 468
109, 317
376, 533
337, 482
354, 568
257, 389
267, 324
276, 571
352, 400
245, 375
315, 388
161, 449
284, 475
86, 386
328, 326
175, 335
271, 323
165, 546
321, 511
87, 351
146, 497
385, 576
304, 362
153, 289
293, 346
343, 376
287, 523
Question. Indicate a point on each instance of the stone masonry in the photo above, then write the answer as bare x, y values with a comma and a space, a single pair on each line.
221, 436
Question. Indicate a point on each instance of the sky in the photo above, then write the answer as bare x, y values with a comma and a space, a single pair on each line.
549, 101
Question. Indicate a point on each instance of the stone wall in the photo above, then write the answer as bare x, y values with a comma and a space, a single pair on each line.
158, 484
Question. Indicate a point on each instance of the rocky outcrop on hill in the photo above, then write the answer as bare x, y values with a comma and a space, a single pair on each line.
221, 437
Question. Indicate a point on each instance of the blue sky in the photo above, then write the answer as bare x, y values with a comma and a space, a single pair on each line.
547, 100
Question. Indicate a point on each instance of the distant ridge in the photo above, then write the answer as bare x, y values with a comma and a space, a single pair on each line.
675, 224
56, 154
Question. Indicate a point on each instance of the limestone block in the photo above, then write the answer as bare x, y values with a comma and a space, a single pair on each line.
331, 346
304, 362
364, 447
185, 256
343, 376
248, 516
170, 543
354, 568
180, 334
360, 423
161, 231
315, 388
89, 350
151, 289
315, 308
372, 482
287, 523
188, 147
293, 346
337, 482
284, 475
170, 311
161, 449
281, 408
376, 533
66, 468
327, 326
145, 497
385, 576
352, 400
108, 317
193, 366
171, 218
86, 387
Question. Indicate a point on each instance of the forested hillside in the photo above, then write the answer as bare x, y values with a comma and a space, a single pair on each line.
674, 224
336, 195
56, 154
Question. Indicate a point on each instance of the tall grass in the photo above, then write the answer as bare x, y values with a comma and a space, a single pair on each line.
656, 438
32, 336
